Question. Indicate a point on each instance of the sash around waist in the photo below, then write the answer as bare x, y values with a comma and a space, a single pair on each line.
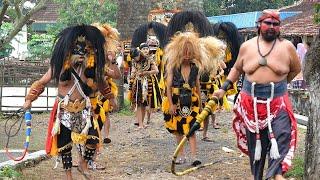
264, 90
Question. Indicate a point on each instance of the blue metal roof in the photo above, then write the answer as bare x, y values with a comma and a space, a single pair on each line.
246, 20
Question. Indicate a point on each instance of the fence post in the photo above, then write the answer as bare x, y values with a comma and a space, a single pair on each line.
0, 98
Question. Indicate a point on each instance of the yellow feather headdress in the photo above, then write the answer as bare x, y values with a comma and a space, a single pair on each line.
174, 51
206, 51
212, 52
110, 34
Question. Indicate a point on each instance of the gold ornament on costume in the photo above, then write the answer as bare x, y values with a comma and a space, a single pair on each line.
186, 86
228, 55
81, 38
75, 106
67, 63
90, 61
189, 27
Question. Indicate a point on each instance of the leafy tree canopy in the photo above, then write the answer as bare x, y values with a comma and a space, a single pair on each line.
215, 7
75, 12
317, 13
19, 14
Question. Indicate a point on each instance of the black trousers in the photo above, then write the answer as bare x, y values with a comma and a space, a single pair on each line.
281, 127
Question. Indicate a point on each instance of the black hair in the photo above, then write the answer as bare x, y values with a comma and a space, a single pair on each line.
140, 34
134, 52
63, 46
143, 45
233, 40
180, 19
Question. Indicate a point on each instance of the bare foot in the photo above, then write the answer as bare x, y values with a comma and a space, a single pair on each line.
69, 174
216, 126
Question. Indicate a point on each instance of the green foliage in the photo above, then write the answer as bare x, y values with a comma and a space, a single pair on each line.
215, 7
297, 170
126, 111
317, 13
212, 7
75, 12
4, 30
40, 45
8, 172
240, 6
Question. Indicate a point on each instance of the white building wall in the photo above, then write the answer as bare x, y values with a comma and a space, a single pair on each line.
19, 43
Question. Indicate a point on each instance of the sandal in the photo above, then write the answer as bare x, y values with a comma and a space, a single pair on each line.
206, 139
181, 161
106, 140
96, 166
216, 126
196, 163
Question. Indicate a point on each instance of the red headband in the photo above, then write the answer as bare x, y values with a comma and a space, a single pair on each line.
269, 14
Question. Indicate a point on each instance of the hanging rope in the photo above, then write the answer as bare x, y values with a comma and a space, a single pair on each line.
210, 107
18, 115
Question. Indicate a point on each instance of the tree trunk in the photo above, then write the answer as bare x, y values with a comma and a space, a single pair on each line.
121, 90
312, 143
20, 21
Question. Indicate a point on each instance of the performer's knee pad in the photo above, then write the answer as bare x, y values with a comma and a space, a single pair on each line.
66, 160
89, 153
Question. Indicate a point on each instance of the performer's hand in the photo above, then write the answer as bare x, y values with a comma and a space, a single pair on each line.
173, 109
113, 104
27, 105
219, 94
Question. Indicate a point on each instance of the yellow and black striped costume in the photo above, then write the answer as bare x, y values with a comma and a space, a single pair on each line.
184, 95
136, 87
207, 87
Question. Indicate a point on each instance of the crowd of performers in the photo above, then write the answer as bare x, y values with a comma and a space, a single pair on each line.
175, 69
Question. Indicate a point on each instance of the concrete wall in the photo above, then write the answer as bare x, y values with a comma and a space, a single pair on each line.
300, 101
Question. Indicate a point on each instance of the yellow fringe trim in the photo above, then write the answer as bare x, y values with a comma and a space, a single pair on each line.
79, 138
228, 55
159, 53
106, 106
64, 147
102, 114
129, 95
114, 87
54, 148
165, 105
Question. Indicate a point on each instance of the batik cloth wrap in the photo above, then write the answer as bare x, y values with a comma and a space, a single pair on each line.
284, 126
144, 90
72, 121
207, 87
187, 101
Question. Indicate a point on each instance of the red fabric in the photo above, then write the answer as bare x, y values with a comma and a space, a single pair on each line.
244, 119
269, 14
50, 126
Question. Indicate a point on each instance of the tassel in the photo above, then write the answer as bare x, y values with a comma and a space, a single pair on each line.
88, 125
66, 100
257, 153
57, 161
274, 151
88, 120
56, 126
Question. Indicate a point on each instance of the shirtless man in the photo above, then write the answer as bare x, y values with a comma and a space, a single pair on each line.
264, 121
76, 65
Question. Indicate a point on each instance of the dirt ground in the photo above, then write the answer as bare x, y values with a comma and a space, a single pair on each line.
147, 153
